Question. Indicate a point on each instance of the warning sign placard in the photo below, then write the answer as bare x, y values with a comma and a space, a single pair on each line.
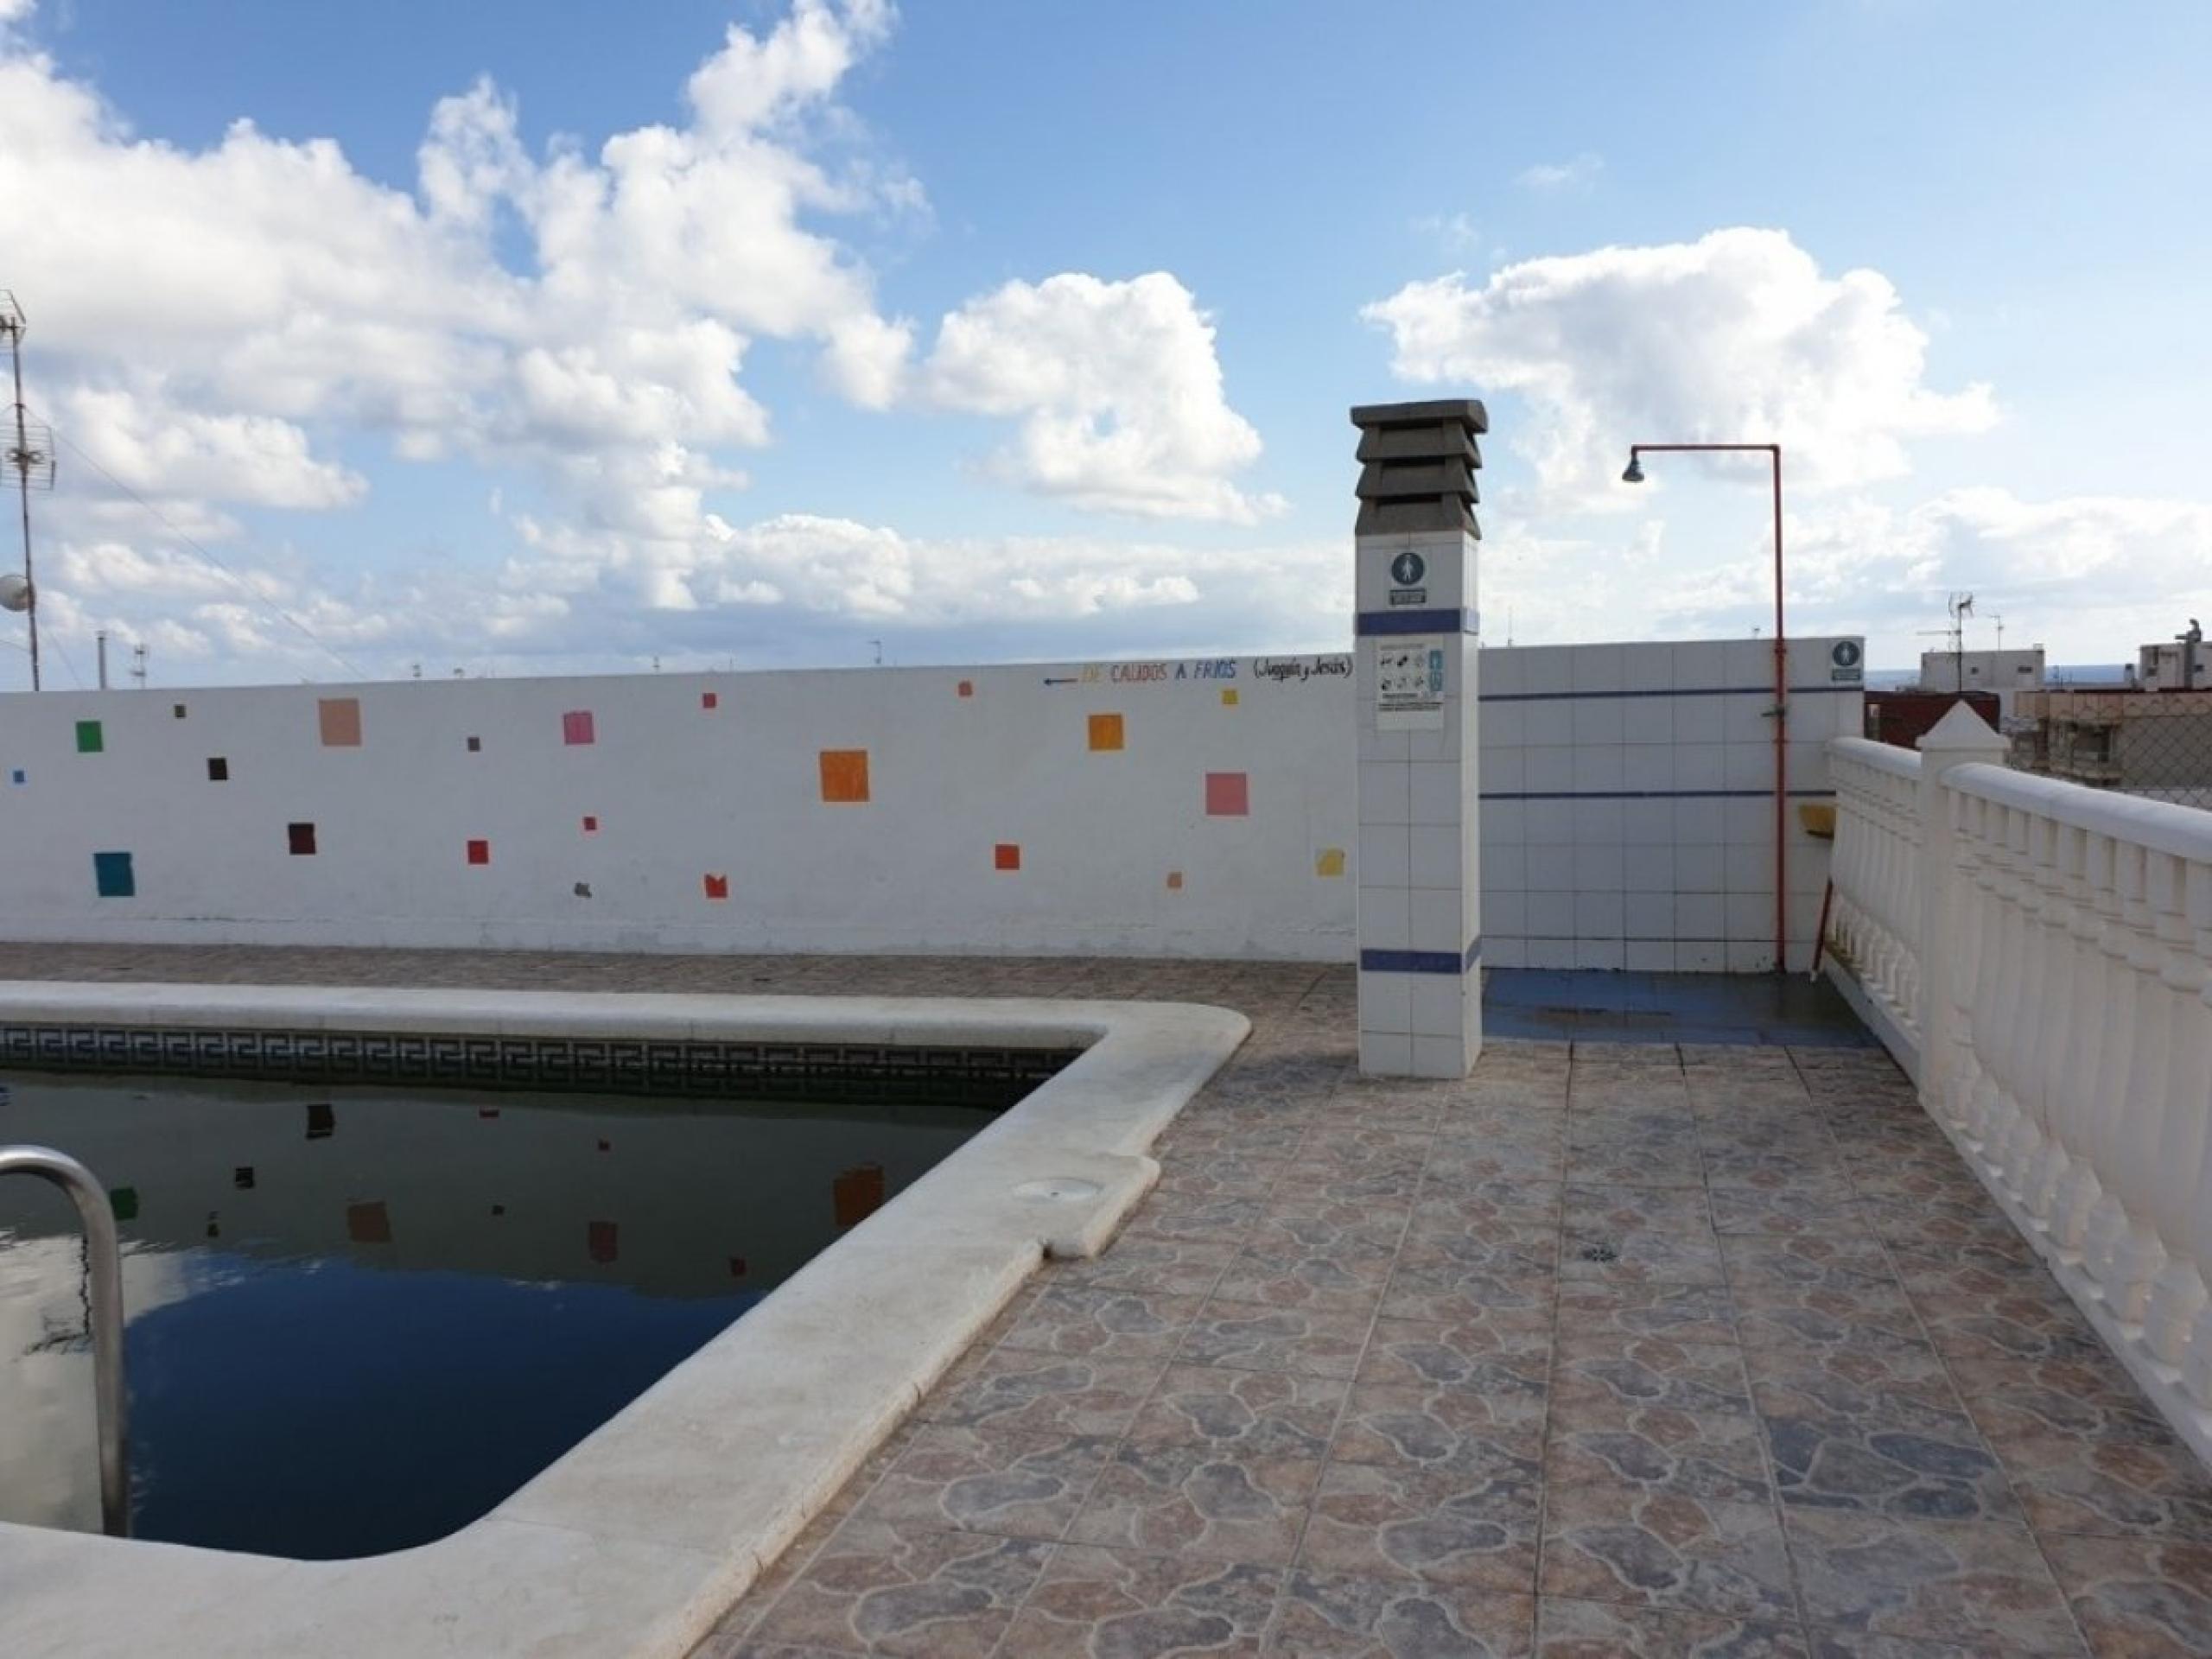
1409, 684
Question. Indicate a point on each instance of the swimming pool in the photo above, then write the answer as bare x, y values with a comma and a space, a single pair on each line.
360, 1319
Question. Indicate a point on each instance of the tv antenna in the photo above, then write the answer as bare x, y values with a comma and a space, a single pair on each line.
1961, 606
31, 460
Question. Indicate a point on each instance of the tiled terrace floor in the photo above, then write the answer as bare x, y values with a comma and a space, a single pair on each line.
1613, 1348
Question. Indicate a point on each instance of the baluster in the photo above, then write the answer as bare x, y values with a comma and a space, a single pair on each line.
2094, 1057
1967, 968
2177, 1295
1979, 1117
2055, 844
2122, 1250
2196, 1362
2008, 1127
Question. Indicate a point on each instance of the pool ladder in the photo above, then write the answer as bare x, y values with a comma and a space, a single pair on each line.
104, 1267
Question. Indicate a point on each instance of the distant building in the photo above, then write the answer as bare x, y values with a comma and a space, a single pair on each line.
2177, 665
2005, 672
2138, 740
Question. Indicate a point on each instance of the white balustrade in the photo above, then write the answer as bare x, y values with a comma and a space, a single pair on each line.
2043, 952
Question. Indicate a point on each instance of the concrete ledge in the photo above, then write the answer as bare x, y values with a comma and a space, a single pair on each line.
634, 1543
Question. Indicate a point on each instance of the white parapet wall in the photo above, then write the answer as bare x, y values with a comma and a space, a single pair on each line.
1198, 807
2045, 950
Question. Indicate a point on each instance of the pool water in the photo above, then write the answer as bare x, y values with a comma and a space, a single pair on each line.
358, 1320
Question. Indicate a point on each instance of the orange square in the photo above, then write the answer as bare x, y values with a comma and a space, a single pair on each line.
340, 719
717, 886
844, 775
1174, 880
967, 688
1105, 731
1006, 856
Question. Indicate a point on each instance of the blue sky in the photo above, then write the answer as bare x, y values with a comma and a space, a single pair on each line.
1039, 335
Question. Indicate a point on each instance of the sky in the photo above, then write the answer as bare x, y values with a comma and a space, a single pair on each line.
535, 337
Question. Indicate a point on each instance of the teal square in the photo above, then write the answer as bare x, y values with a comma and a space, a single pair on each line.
113, 875
91, 740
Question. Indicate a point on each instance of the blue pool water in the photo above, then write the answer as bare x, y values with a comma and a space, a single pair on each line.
358, 1321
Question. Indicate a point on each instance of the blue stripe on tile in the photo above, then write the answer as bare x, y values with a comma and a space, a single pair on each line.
1654, 794
1420, 962
1369, 623
1667, 691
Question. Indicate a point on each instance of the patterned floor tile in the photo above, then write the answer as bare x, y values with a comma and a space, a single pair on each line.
1619, 1234
1375, 1522
1786, 1209
1047, 1393
1459, 1165
1666, 1549
1445, 1291
1684, 1313
1103, 1323
2138, 1598
2150, 1485
1380, 1217
1343, 1615
1272, 1414
1176, 1267
1984, 1587
1825, 1260
1014, 1485
2088, 1397
1204, 1220
1197, 1500
1661, 1448
2034, 1323
1505, 1357
877, 1588
1444, 1208
1827, 1318
1509, 1252
1253, 1337
1597, 1629
1447, 1430
1309, 1264
1609, 1371
1093, 1601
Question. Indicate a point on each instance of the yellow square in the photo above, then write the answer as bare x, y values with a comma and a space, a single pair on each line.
1229, 697
1105, 732
1331, 861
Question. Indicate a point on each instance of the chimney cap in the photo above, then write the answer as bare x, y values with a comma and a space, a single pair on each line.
1467, 411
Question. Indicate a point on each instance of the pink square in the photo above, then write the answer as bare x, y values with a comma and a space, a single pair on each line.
1229, 795
709, 700
576, 727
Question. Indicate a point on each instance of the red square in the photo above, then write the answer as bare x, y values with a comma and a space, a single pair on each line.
603, 1240
576, 727
967, 688
479, 851
1006, 856
710, 700
591, 824
717, 886
1229, 795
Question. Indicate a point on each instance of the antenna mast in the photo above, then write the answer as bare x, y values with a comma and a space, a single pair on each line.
31, 460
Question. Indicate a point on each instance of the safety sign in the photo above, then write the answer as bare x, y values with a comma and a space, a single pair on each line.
1409, 683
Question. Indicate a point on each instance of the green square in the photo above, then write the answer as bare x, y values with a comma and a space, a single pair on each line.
90, 739
123, 1200
112, 875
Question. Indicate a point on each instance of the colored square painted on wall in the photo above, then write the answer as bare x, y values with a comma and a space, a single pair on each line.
1330, 860
339, 720
368, 1223
113, 877
479, 851
710, 700
856, 1194
591, 824
844, 775
1106, 732
475, 745
91, 739
218, 769
603, 1240
123, 1200
302, 839
576, 727
1174, 880
717, 886
1229, 697
967, 688
176, 711
1006, 856
19, 776
1229, 795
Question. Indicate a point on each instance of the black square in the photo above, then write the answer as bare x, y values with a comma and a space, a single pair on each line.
218, 769
177, 710
303, 838
475, 744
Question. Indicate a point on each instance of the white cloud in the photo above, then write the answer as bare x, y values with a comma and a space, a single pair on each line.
1560, 177
1117, 388
1735, 337
213, 316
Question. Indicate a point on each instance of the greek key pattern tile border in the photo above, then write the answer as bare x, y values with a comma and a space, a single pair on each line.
991, 1076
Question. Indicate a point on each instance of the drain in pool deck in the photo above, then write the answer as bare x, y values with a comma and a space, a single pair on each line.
359, 1320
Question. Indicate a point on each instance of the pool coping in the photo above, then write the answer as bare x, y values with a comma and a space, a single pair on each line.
634, 1543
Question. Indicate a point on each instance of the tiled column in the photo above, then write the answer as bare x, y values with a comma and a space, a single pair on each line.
1419, 924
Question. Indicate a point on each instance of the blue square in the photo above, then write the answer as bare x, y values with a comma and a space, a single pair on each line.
111, 873
17, 777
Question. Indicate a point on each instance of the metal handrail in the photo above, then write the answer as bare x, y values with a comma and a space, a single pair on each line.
103, 1265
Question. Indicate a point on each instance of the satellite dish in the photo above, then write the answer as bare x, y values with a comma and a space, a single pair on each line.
15, 593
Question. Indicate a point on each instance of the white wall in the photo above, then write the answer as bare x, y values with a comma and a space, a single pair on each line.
1119, 851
